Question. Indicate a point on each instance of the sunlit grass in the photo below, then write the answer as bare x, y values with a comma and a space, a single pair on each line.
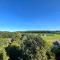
51, 38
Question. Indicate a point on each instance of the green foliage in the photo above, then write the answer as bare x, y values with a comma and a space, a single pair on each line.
56, 51
12, 52
1, 56
32, 45
28, 46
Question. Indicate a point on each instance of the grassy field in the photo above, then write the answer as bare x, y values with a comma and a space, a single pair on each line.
50, 38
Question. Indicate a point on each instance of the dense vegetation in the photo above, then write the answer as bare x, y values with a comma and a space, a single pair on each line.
30, 45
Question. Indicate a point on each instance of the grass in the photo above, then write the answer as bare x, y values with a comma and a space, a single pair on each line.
51, 38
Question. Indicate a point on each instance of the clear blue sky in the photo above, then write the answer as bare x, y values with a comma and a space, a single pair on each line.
29, 15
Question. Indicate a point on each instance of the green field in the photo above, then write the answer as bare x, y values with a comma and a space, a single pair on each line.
51, 38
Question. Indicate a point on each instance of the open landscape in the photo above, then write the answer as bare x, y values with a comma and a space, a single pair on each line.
30, 45
29, 29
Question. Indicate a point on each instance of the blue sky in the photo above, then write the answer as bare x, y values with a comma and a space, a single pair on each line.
18, 15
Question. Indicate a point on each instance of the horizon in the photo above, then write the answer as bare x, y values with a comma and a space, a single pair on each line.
29, 30
25, 15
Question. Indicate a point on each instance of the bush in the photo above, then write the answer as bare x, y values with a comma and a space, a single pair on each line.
32, 47
12, 52
56, 50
